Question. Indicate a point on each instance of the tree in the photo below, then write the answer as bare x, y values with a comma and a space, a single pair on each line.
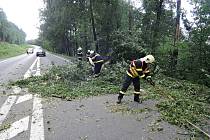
9, 32
156, 32
198, 36
174, 50
93, 25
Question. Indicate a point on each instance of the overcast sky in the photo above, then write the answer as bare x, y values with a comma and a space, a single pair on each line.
25, 14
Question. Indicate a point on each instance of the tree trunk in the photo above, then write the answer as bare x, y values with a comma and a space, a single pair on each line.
130, 18
70, 38
93, 25
155, 40
174, 51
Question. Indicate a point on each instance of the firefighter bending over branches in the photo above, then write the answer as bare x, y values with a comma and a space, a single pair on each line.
97, 62
138, 69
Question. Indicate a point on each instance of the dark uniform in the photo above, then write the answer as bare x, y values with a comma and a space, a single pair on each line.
79, 54
98, 63
137, 69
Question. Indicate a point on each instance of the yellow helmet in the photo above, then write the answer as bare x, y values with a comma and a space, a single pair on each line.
149, 59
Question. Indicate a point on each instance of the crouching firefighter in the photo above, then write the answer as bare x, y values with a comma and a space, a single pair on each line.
97, 62
137, 69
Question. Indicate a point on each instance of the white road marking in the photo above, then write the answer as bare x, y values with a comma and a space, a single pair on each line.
24, 98
29, 71
37, 122
6, 107
38, 67
15, 128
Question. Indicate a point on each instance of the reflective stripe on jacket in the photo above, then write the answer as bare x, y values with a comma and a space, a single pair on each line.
138, 68
97, 59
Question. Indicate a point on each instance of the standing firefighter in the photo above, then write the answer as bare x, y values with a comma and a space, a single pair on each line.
138, 69
97, 62
79, 53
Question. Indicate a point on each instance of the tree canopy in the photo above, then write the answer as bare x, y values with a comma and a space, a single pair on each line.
9, 32
119, 29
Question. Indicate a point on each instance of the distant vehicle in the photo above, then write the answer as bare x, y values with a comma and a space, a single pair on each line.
30, 50
40, 52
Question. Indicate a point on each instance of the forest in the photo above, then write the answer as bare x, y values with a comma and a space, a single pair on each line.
119, 29
9, 32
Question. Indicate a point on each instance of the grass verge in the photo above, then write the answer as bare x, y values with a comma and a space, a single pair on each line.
10, 50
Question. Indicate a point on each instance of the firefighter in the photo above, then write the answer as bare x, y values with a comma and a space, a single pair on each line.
137, 69
79, 53
97, 62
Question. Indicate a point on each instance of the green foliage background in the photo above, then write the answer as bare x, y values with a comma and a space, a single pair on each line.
125, 32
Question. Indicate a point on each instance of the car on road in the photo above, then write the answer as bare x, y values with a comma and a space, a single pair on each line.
30, 50
40, 52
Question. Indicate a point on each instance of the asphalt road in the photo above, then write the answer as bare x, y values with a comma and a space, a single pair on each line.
21, 113
15, 68
24, 116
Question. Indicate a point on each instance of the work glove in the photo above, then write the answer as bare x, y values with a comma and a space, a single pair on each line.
149, 79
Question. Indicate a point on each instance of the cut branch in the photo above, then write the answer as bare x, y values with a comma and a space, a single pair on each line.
199, 129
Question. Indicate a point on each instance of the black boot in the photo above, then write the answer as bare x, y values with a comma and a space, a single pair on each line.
136, 98
120, 98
